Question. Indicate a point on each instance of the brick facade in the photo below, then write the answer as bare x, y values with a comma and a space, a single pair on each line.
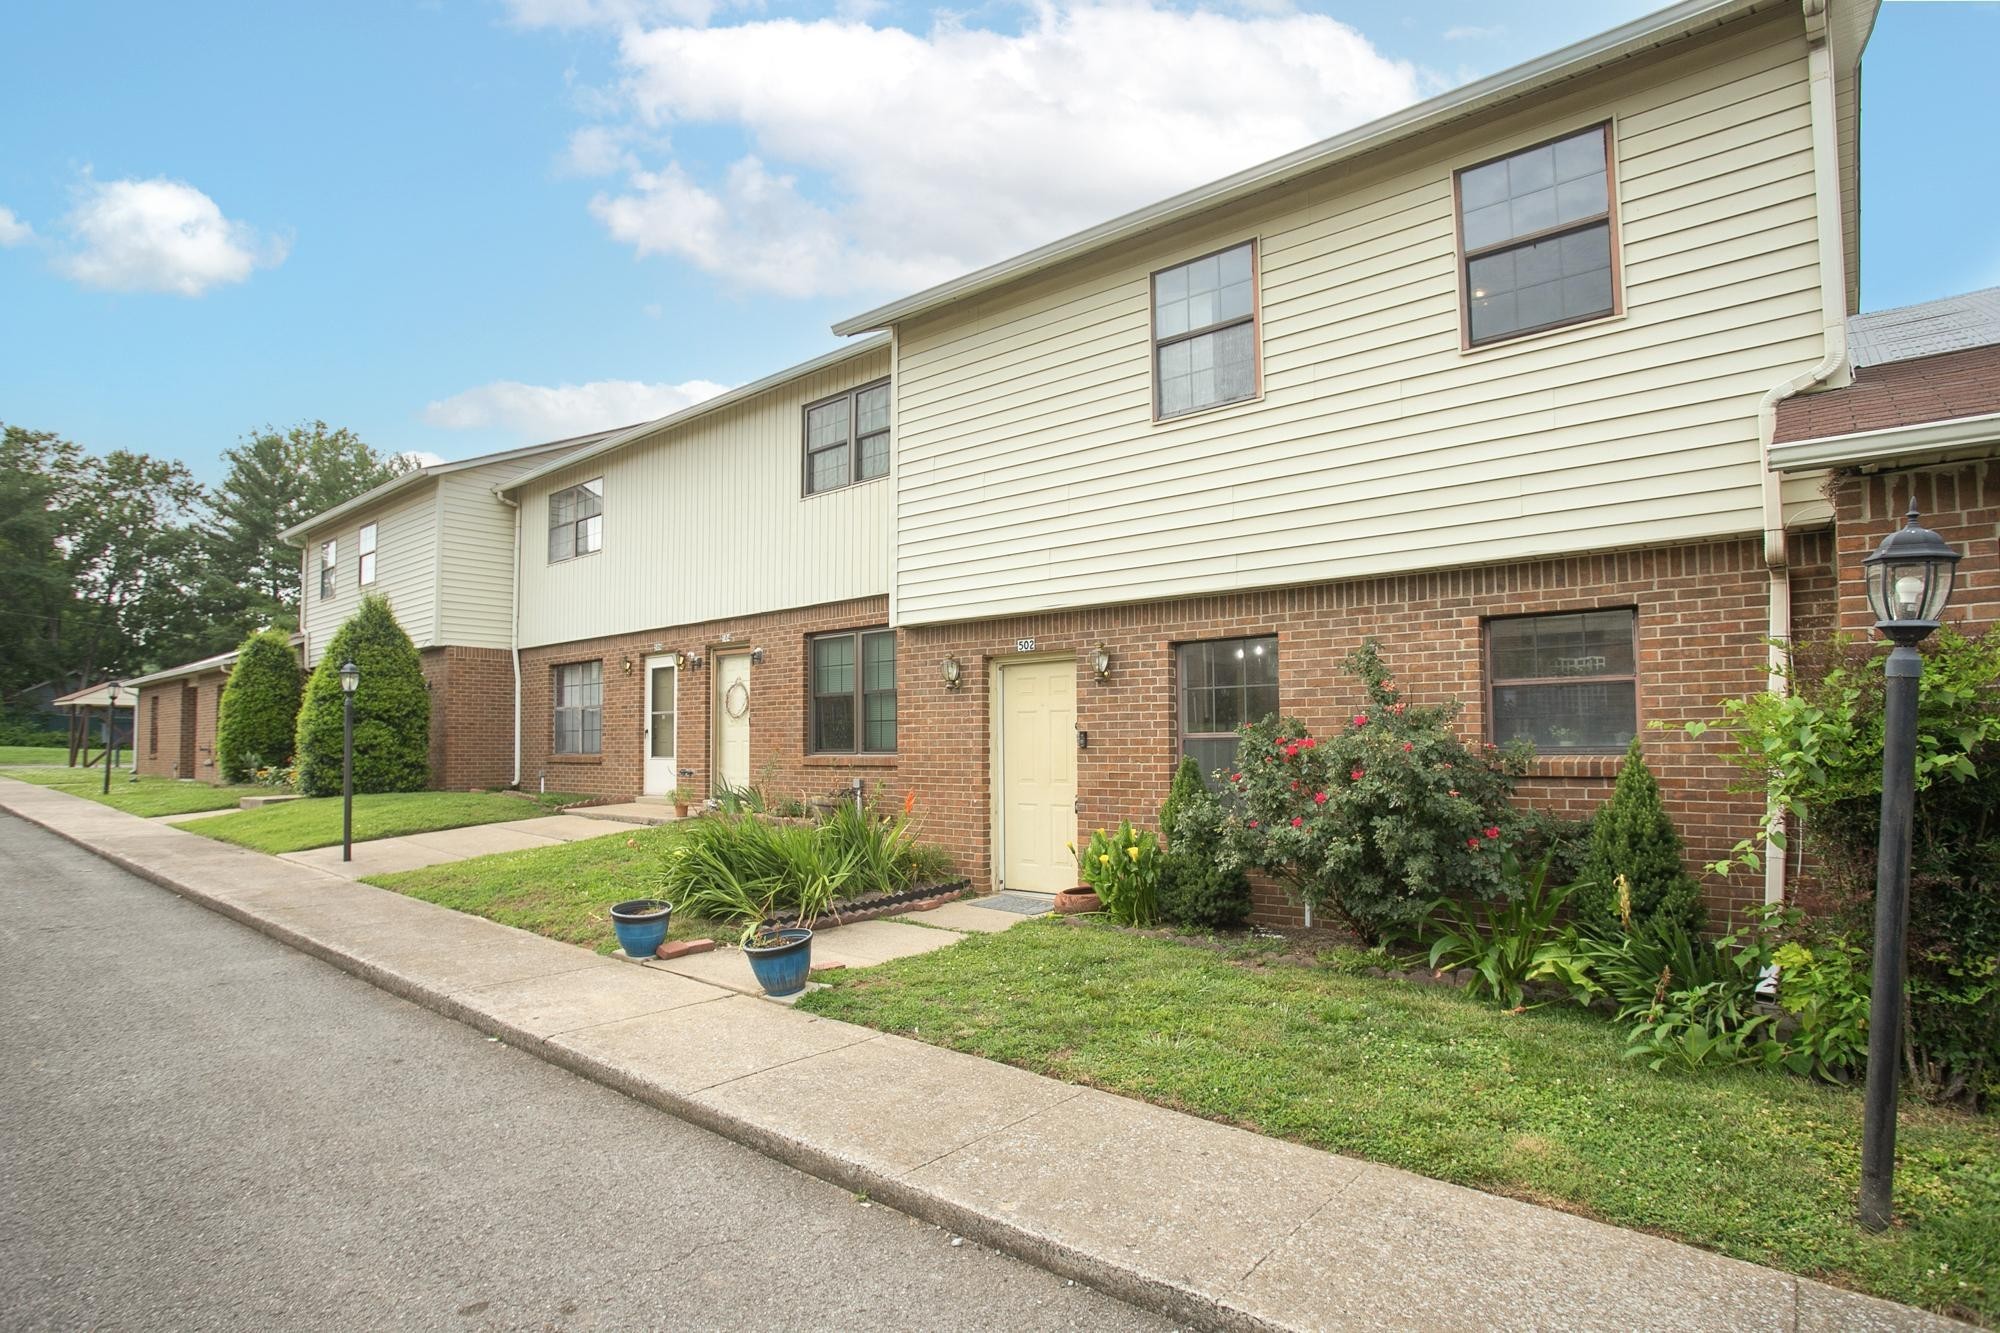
472, 717
175, 726
1959, 501
778, 761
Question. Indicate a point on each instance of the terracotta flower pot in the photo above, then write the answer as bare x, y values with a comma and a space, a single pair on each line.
1072, 901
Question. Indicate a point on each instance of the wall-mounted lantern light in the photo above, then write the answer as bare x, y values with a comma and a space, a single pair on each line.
1100, 661
953, 673
756, 657
627, 666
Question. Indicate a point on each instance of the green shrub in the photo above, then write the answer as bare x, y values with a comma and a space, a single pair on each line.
747, 868
1380, 817
392, 709
1195, 888
1512, 941
1123, 870
257, 725
1824, 987
32, 730
1632, 836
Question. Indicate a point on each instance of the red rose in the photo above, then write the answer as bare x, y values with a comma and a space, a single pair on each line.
1309, 742
1296, 821
1408, 746
1319, 798
1253, 824
1473, 843
1492, 832
1236, 777
1361, 719
1355, 775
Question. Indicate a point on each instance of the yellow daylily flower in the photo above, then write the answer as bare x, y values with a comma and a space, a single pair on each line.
1132, 852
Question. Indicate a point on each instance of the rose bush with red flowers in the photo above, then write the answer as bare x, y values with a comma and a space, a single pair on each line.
1379, 819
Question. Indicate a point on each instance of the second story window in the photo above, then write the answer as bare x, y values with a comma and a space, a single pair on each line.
365, 554
1535, 238
576, 520
1205, 332
329, 565
847, 438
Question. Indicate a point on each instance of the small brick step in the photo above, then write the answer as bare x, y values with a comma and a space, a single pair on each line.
682, 948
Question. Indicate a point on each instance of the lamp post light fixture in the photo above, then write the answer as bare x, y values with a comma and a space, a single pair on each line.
350, 681
110, 737
1909, 582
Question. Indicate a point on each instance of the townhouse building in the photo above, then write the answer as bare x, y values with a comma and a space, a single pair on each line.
1544, 384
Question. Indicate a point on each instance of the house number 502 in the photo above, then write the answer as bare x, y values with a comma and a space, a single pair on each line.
1024, 645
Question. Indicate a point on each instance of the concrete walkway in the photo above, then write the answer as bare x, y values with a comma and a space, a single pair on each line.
1205, 1223
383, 856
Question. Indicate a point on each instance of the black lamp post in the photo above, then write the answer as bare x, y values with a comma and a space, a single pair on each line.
1909, 581
110, 737
350, 680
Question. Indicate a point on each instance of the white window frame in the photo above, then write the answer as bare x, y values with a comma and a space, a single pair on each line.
364, 559
563, 685
586, 531
329, 567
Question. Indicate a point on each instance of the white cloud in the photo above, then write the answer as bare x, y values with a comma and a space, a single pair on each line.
160, 236
962, 145
552, 412
598, 150
13, 231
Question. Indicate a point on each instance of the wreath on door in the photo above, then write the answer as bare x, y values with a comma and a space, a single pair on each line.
736, 699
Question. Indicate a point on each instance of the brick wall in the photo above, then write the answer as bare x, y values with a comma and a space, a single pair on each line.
1960, 502
158, 737
1702, 623
777, 715
472, 717
187, 709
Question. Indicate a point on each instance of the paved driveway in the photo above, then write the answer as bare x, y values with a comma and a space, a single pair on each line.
202, 1128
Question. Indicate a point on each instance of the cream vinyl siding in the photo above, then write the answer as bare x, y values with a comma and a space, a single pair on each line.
405, 568
1031, 476
476, 568
708, 521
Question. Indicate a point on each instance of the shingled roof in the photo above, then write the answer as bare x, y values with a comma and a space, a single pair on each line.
1907, 332
1938, 361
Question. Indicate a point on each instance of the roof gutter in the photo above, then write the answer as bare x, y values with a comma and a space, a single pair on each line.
1887, 445
1574, 60
1831, 371
514, 636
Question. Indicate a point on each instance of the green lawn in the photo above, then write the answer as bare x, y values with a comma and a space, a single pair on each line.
1539, 1105
34, 754
296, 826
562, 892
146, 796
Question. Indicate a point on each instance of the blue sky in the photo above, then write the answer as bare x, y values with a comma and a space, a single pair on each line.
462, 224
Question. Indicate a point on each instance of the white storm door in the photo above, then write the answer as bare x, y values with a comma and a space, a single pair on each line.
732, 720
662, 687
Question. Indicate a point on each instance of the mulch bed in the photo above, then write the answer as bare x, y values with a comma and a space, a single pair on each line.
921, 897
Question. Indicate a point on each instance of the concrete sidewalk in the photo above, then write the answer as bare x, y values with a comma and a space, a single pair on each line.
1208, 1224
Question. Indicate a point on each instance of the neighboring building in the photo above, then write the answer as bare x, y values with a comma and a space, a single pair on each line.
1489, 380
439, 545
677, 578
173, 726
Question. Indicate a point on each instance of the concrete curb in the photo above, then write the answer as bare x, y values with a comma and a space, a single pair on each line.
1813, 1305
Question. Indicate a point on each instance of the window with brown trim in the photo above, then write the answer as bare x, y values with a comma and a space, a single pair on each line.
847, 438
579, 710
853, 688
1224, 685
1535, 237
364, 558
1566, 682
1205, 332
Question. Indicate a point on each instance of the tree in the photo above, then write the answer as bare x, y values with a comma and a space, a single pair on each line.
392, 709
259, 717
1194, 888
277, 480
37, 471
1632, 836
134, 565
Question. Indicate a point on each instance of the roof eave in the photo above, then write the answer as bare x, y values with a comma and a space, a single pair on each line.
1573, 61
1891, 444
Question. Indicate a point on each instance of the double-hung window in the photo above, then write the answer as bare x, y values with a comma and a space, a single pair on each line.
1535, 237
847, 438
329, 563
365, 554
580, 708
1566, 681
576, 520
1205, 332
1225, 684
853, 692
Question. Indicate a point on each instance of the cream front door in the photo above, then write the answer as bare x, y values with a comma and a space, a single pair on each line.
662, 773
732, 720
1036, 753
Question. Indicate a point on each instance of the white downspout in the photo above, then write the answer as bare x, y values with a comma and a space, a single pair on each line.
1831, 372
514, 635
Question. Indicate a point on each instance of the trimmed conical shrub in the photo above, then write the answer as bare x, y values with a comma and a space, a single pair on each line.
1187, 788
392, 709
259, 717
1632, 836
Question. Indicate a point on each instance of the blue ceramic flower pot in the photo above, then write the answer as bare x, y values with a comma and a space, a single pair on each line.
781, 969
641, 925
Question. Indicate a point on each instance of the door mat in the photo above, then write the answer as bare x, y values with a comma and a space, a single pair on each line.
1025, 904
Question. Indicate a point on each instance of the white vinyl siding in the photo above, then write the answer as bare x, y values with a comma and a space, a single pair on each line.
476, 561
405, 569
708, 521
1031, 475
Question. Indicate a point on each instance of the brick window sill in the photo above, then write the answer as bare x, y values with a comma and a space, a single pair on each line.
849, 761
1575, 765
576, 759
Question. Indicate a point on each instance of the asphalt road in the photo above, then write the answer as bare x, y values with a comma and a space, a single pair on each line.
200, 1128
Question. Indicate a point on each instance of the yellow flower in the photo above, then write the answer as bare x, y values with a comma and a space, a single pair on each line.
1104, 858
1132, 852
